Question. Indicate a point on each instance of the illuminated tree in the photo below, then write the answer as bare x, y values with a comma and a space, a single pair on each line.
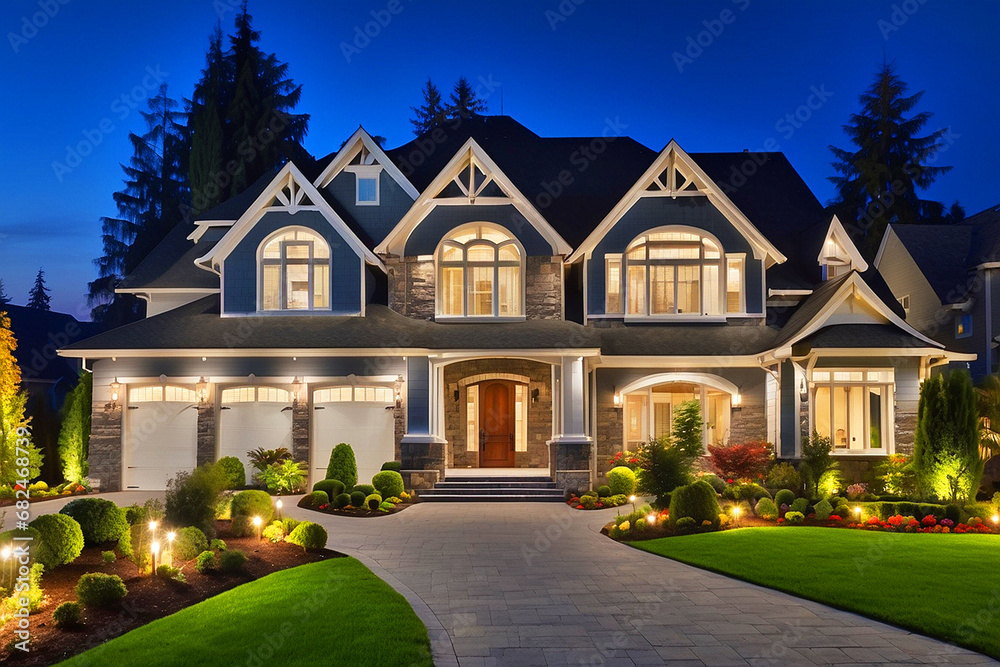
12, 403
74, 438
946, 454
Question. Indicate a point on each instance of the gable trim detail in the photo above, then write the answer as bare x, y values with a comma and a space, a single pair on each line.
838, 234
361, 139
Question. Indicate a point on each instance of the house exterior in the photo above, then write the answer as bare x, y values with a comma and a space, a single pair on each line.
947, 276
482, 297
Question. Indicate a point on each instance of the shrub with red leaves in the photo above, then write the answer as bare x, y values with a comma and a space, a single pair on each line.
744, 461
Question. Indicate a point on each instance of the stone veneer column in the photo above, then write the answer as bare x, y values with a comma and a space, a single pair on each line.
105, 452
570, 465
543, 288
206, 434
300, 432
748, 423
905, 429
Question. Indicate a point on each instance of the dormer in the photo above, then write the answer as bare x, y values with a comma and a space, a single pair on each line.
839, 255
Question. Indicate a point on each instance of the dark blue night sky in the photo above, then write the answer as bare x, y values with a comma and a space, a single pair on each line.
566, 68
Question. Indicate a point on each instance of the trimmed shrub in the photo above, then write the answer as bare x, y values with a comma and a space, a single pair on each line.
358, 498
100, 520
108, 557
342, 465
224, 507
60, 540
248, 504
799, 505
372, 501
388, 483
317, 499
134, 514
233, 471
794, 517
589, 502
232, 561
192, 497
332, 487
309, 535
189, 543
766, 509
274, 532
823, 509
96, 589
603, 491
698, 501
218, 545
784, 497
67, 615
784, 476
205, 562
753, 492
367, 489
621, 480
342, 500
288, 524
842, 510
717, 482
395, 466
170, 572
685, 523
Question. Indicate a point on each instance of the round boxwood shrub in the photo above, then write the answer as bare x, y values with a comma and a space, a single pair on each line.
367, 489
358, 498
232, 561
800, 505
794, 517
100, 520
372, 501
205, 562
96, 589
67, 615
393, 465
332, 487
784, 476
784, 497
621, 480
603, 491
343, 465
685, 523
60, 540
233, 472
823, 510
309, 535
189, 543
342, 500
843, 510
698, 501
317, 499
248, 504
766, 509
388, 483
589, 502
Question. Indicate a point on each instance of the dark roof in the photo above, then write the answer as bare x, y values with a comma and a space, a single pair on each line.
198, 325
941, 252
39, 333
859, 335
986, 238
687, 339
171, 262
810, 307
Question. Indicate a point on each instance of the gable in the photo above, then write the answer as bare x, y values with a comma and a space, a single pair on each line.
838, 247
375, 221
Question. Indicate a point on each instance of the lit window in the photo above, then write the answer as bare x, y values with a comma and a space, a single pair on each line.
852, 408
963, 325
253, 394
479, 273
367, 189
353, 394
472, 419
904, 301
613, 296
295, 272
156, 393
649, 413
734, 285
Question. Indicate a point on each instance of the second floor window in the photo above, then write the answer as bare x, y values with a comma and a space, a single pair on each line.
295, 272
480, 273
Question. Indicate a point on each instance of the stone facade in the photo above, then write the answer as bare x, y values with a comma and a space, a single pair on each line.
300, 430
905, 428
539, 429
105, 453
747, 423
206, 434
570, 465
543, 288
610, 433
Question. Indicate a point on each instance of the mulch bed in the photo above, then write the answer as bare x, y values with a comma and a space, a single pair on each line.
148, 599
360, 512
664, 530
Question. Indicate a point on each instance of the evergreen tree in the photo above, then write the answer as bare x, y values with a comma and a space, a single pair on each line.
206, 124
74, 437
39, 297
14, 433
431, 113
687, 428
4, 298
464, 101
149, 206
946, 455
878, 179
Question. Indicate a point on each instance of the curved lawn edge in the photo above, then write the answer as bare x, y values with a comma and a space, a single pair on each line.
331, 612
944, 602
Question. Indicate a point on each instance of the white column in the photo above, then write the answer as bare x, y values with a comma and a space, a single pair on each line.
574, 396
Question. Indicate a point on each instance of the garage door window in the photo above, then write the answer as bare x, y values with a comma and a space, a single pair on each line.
253, 394
355, 394
161, 393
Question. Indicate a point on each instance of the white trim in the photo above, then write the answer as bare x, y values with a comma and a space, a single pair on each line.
310, 352
168, 290
881, 246
289, 174
838, 235
668, 157
680, 361
706, 379
496, 265
350, 149
395, 242
282, 263
788, 292
202, 226
369, 172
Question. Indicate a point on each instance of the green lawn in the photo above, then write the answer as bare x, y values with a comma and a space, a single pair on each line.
334, 612
945, 586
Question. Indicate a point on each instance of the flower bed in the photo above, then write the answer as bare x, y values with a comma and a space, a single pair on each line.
393, 505
590, 502
40, 491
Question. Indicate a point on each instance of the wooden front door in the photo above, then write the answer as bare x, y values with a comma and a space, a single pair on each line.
496, 425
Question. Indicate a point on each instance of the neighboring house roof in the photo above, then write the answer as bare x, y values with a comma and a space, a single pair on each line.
38, 333
941, 252
171, 263
986, 237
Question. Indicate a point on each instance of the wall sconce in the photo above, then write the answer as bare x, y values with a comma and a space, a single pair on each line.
534, 395
737, 402
397, 391
296, 389
803, 390
201, 388
115, 389
617, 399
456, 395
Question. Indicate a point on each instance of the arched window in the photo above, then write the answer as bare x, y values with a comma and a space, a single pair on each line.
295, 271
676, 272
480, 273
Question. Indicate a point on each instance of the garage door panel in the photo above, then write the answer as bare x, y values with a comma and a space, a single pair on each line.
161, 440
246, 426
367, 427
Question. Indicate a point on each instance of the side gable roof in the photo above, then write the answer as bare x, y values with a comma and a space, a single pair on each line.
170, 265
941, 252
986, 238
361, 139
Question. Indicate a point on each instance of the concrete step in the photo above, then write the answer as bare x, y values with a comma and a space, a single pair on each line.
493, 491
490, 498
505, 484
537, 479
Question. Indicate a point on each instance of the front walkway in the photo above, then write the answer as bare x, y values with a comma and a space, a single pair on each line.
536, 584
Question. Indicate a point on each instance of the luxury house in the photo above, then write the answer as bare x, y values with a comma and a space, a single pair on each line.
483, 297
945, 277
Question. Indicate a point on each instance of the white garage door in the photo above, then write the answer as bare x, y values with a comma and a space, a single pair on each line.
161, 435
359, 416
252, 417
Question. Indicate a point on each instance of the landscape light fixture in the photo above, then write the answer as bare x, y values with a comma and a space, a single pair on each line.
256, 523
154, 549
651, 518
736, 513
279, 505
857, 513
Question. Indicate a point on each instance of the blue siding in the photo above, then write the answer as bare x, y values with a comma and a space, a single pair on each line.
241, 264
789, 413
417, 395
651, 212
428, 234
376, 221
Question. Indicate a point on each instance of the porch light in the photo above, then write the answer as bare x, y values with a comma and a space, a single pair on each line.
803, 390
115, 389
397, 391
617, 399
737, 401
534, 395
296, 388
201, 388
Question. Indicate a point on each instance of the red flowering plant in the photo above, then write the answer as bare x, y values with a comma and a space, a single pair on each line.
929, 521
835, 519
625, 458
746, 461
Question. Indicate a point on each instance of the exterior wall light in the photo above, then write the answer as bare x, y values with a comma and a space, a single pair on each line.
397, 391
115, 393
201, 388
803, 390
617, 399
296, 389
737, 401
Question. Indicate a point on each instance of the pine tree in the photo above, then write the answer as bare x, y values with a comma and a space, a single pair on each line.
4, 298
879, 178
464, 101
149, 206
39, 297
687, 428
431, 113
206, 123
74, 437
946, 453
14, 433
